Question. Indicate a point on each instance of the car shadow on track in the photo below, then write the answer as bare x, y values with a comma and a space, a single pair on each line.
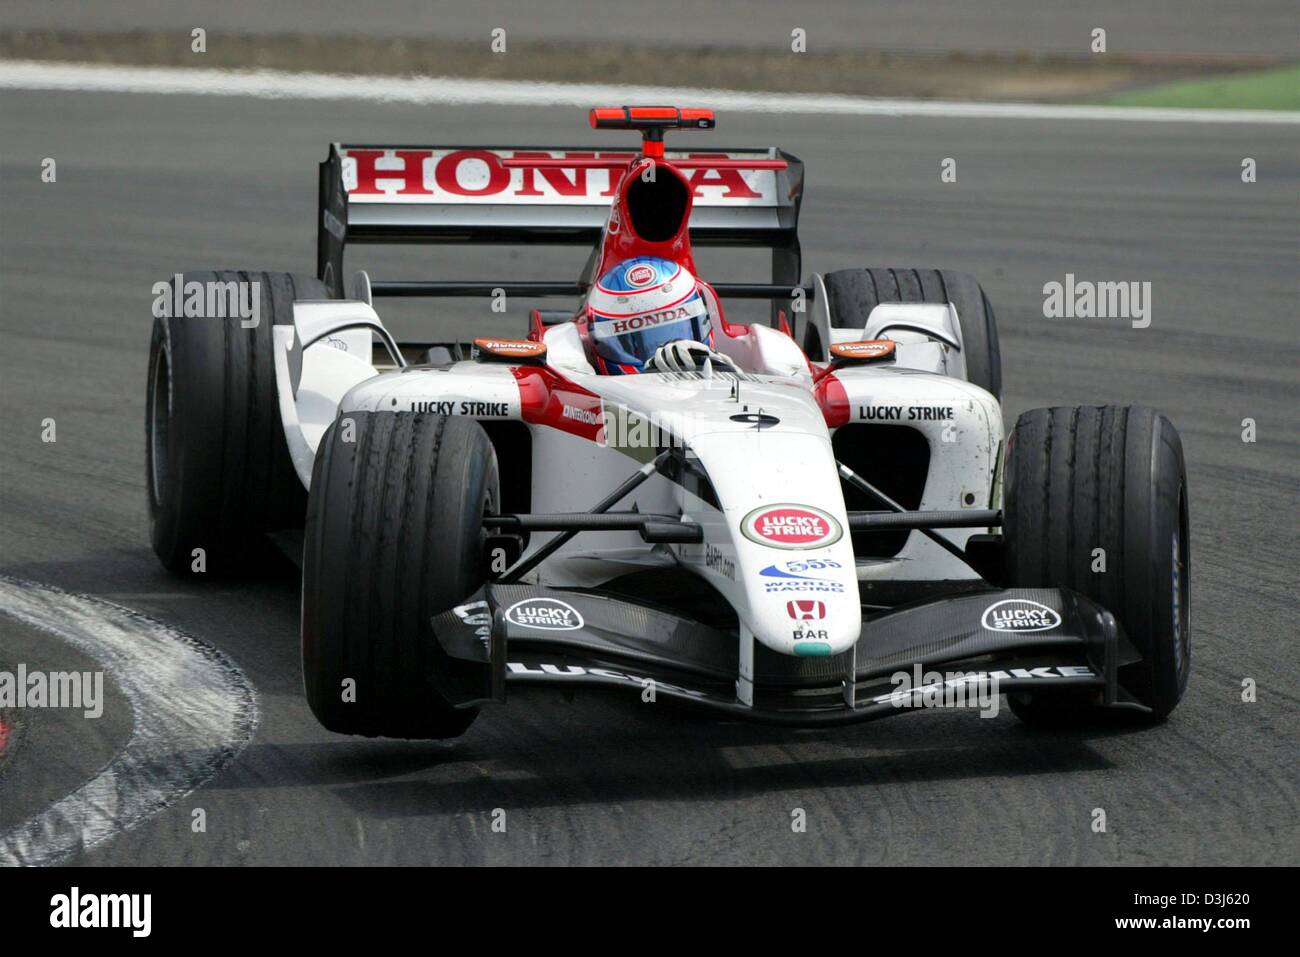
600, 750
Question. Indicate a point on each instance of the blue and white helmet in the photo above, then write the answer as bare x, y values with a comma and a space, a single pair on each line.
639, 305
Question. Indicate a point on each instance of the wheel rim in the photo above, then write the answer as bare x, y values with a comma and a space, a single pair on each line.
1179, 592
159, 424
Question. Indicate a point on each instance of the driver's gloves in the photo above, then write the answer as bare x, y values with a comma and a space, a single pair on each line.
684, 355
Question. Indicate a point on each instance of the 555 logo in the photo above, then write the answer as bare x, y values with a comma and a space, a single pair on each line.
807, 575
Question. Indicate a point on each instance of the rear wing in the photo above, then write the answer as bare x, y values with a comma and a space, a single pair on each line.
543, 195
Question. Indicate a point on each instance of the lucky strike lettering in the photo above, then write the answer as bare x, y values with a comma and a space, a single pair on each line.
791, 527
1019, 614
911, 413
485, 410
415, 174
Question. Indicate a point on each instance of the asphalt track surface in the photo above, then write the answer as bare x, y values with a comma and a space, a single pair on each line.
151, 185
1223, 27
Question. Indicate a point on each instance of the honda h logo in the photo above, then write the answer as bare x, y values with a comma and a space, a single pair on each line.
805, 609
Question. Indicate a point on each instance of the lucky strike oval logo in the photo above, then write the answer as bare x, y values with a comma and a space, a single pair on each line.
791, 526
545, 614
1019, 614
641, 275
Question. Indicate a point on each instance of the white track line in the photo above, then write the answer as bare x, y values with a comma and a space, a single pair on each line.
193, 711
271, 84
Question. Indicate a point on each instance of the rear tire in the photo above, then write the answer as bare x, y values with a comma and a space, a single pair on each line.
216, 465
1110, 478
853, 293
394, 536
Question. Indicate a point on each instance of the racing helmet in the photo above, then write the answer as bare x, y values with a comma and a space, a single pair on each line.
639, 305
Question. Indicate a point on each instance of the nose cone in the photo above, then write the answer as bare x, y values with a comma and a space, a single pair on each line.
803, 601
794, 558
769, 463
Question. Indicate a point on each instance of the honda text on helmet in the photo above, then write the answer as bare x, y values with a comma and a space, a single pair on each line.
640, 305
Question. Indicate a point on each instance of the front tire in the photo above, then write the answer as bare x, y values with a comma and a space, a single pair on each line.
394, 536
853, 293
1108, 478
216, 464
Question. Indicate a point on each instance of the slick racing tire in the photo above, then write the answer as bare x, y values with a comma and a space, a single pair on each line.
853, 293
394, 536
216, 465
1108, 478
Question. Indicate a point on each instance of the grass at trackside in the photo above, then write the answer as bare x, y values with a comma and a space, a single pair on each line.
1274, 89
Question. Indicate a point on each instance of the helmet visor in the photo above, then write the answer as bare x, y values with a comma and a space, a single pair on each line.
631, 340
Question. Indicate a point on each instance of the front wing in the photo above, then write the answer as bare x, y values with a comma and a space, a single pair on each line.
1004, 640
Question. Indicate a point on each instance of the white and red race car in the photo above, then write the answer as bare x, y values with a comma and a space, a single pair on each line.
822, 523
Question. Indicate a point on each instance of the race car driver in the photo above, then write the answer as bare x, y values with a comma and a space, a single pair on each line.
648, 315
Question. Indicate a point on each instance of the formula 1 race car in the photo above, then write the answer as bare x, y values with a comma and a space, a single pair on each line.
810, 519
